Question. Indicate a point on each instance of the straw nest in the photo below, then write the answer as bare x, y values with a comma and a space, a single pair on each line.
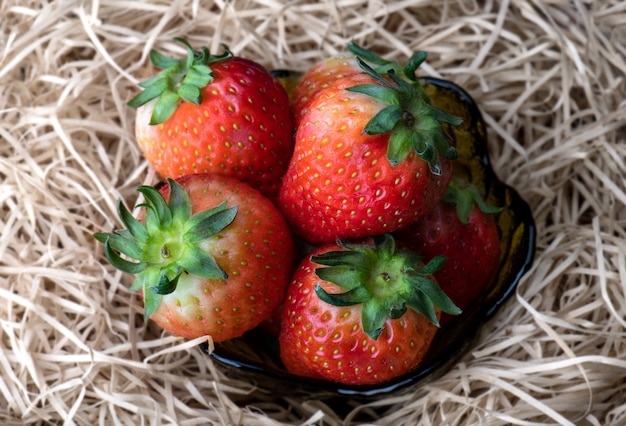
550, 79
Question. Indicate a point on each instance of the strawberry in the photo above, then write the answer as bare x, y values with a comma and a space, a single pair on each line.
319, 77
334, 70
368, 159
212, 255
462, 228
221, 114
360, 314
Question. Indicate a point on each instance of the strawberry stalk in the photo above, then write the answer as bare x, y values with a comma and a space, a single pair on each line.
386, 281
410, 118
412, 122
167, 245
464, 196
383, 66
181, 80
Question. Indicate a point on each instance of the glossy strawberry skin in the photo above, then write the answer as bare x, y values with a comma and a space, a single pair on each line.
243, 128
256, 252
472, 250
339, 183
327, 342
319, 77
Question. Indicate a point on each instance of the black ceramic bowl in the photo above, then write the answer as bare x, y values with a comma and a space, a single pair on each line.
255, 356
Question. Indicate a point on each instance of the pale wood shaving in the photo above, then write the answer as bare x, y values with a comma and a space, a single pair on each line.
549, 77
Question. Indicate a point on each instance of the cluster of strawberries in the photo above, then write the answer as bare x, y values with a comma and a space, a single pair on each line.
331, 209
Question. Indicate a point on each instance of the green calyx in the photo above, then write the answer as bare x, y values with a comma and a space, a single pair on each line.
409, 117
168, 243
464, 196
181, 80
386, 281
383, 66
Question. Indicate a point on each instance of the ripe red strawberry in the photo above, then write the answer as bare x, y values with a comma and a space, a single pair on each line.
368, 159
221, 114
336, 70
212, 255
359, 313
318, 78
462, 228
